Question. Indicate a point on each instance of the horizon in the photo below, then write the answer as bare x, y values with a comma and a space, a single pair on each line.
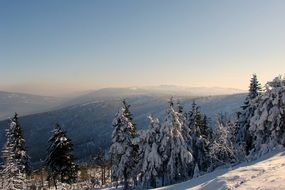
153, 87
57, 48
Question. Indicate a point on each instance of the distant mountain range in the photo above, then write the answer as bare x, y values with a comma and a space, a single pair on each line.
88, 118
25, 104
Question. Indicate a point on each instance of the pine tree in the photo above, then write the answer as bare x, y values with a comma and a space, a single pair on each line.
19, 148
124, 151
186, 132
200, 139
267, 126
244, 138
254, 87
13, 172
152, 159
222, 149
175, 153
60, 161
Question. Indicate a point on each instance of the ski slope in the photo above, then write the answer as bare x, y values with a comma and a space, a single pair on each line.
266, 173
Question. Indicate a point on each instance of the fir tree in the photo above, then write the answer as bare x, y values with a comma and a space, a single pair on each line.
222, 149
19, 149
124, 151
254, 87
175, 153
152, 159
200, 139
60, 161
267, 126
14, 154
244, 138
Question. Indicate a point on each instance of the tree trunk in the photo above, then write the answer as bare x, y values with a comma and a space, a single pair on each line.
126, 184
54, 181
102, 176
153, 182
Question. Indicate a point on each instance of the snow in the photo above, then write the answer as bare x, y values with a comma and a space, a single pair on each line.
266, 173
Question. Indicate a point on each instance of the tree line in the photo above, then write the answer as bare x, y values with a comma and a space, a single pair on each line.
16, 167
182, 145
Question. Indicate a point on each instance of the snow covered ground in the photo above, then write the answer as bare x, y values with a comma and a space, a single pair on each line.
266, 173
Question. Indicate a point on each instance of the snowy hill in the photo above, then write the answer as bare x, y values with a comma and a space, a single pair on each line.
266, 173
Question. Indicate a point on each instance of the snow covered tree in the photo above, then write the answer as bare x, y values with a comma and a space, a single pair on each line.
222, 149
19, 148
244, 138
124, 151
152, 159
185, 124
16, 160
267, 126
200, 139
174, 150
60, 161
254, 87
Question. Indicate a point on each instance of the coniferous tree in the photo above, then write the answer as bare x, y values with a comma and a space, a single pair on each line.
175, 153
200, 139
244, 138
267, 126
124, 151
16, 161
152, 159
19, 148
222, 148
186, 132
60, 161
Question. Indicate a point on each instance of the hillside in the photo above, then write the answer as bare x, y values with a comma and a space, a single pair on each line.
266, 173
25, 104
88, 122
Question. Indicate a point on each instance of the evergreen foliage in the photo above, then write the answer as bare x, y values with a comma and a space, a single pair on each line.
201, 135
16, 161
60, 161
267, 126
124, 151
223, 149
175, 153
244, 137
152, 159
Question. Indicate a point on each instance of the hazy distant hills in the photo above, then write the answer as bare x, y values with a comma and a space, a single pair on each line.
24, 104
161, 90
88, 118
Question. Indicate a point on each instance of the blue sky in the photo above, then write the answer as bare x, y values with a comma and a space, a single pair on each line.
64, 46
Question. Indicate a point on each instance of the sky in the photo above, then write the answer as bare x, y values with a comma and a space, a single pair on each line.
59, 47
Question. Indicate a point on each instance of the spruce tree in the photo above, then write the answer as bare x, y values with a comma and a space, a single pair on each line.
175, 153
200, 139
152, 159
16, 165
19, 148
244, 138
267, 126
124, 151
222, 148
60, 161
